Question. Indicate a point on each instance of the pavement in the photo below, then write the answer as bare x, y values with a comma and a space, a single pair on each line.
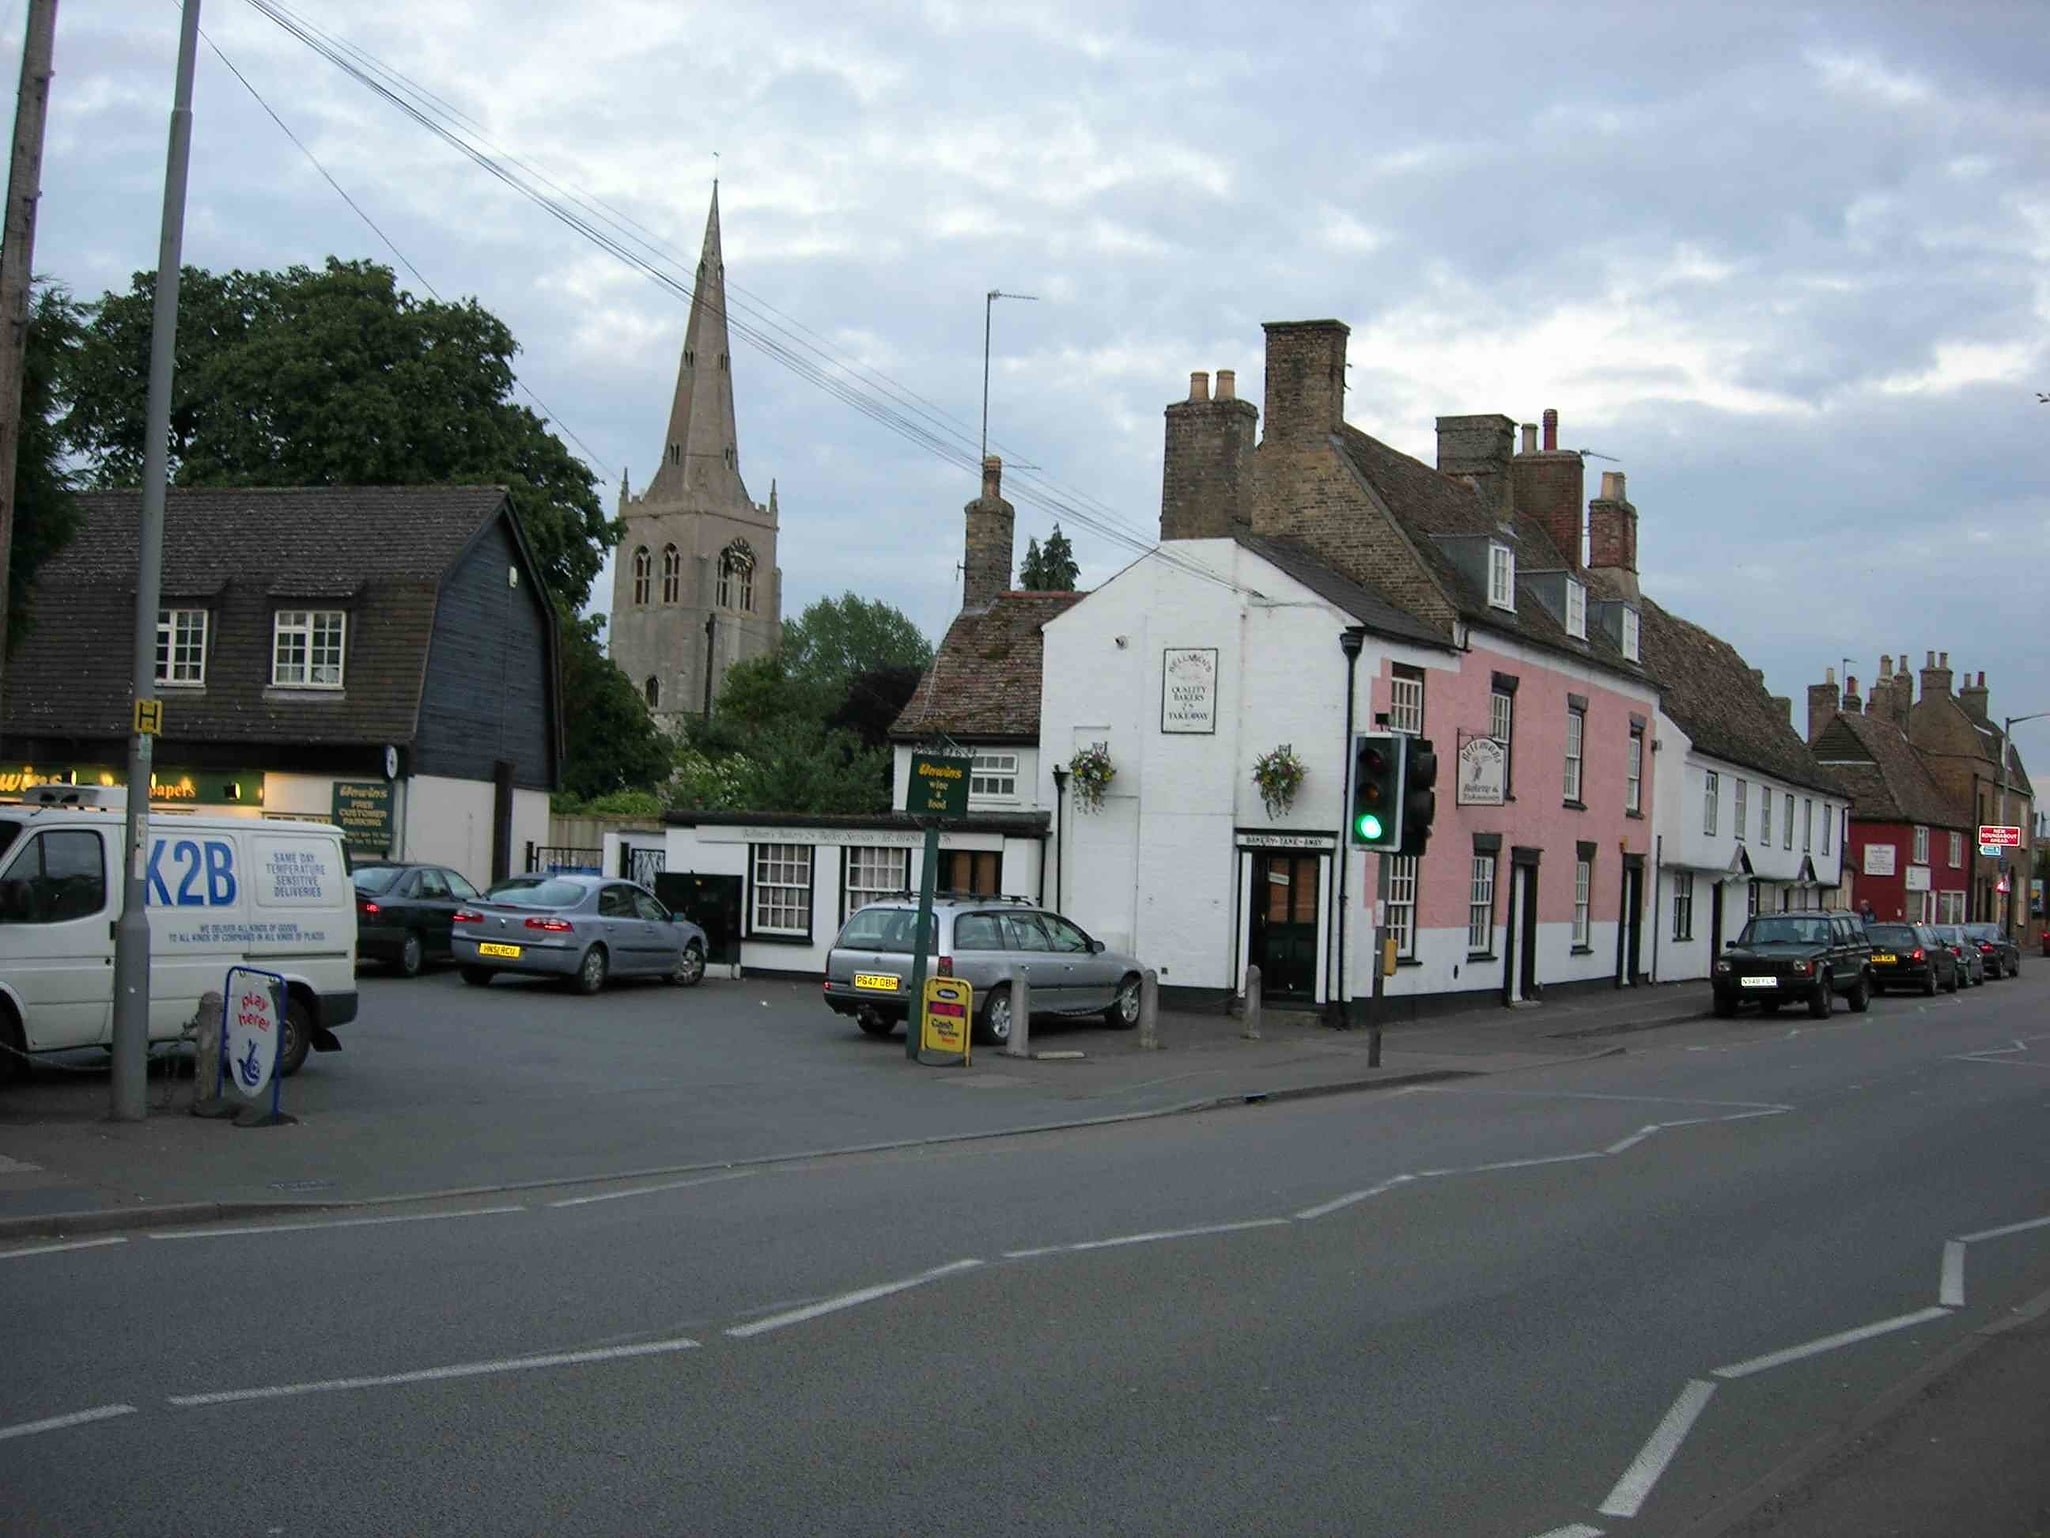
572, 1090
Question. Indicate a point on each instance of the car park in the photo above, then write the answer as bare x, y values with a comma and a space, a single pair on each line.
986, 941
1971, 966
2002, 957
405, 914
1909, 956
1783, 958
585, 930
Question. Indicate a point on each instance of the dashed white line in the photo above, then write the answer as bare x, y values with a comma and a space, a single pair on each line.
848, 1300
308, 1228
1338, 1203
437, 1374
667, 1185
2002, 1233
1810, 1348
1950, 1291
1574, 1530
1651, 1460
1630, 1142
1529, 1164
1153, 1237
103, 1412
58, 1249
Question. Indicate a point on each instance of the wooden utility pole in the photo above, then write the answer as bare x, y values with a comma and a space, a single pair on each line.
17, 260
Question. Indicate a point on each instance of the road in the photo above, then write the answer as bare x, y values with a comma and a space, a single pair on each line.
1601, 1298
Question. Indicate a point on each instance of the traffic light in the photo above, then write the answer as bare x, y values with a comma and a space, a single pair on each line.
1419, 800
1376, 821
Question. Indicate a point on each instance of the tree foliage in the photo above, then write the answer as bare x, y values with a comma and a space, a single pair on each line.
332, 377
612, 743
45, 513
1049, 568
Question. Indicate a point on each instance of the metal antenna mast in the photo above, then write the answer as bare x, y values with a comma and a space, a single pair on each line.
988, 303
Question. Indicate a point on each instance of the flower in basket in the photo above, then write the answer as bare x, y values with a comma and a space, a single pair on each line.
1279, 774
1093, 772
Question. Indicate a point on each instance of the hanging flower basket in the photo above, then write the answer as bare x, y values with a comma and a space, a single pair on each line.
1279, 774
1093, 772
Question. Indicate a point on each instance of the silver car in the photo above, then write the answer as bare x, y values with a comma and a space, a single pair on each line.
584, 928
986, 941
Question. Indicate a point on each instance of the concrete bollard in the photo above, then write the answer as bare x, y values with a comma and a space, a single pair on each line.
1251, 1010
1020, 1044
205, 1027
1149, 1011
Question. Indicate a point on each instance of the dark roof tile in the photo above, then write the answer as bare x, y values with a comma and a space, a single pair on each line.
984, 679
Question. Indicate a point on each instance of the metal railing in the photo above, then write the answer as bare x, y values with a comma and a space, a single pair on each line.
542, 858
644, 865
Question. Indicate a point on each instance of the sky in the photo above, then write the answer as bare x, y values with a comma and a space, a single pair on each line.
1788, 266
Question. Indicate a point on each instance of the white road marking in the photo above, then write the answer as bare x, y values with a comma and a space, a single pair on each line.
1325, 1209
667, 1185
17, 1166
1631, 1141
306, 1228
436, 1374
1759, 1364
849, 1300
2002, 1233
1154, 1237
1950, 1292
1526, 1164
1992, 1058
1576, 1530
58, 1249
105, 1412
1651, 1460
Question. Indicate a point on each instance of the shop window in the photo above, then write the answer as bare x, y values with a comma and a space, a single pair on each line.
782, 889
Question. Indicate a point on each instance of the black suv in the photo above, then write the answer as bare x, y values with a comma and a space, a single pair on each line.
1786, 956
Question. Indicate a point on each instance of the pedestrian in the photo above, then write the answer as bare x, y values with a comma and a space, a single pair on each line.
1865, 912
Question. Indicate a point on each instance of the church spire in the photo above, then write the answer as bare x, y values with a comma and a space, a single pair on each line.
701, 454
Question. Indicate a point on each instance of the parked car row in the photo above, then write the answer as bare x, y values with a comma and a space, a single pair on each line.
1810, 958
584, 929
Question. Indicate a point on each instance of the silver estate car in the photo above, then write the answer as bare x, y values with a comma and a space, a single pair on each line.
985, 941
583, 928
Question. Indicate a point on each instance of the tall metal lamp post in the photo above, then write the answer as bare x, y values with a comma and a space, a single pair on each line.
1060, 854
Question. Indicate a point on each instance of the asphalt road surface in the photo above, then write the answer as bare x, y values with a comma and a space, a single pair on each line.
1601, 1298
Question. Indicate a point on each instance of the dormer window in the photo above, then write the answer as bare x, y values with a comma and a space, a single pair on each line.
1576, 610
1502, 577
1630, 638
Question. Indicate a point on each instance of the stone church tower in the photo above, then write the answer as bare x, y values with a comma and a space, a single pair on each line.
695, 587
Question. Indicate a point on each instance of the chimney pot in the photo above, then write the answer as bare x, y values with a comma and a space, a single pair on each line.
1829, 675
1227, 384
1551, 420
1943, 659
1530, 437
1982, 679
1612, 486
1199, 385
1931, 661
1886, 664
992, 477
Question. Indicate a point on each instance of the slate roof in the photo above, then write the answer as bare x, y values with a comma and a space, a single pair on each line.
1426, 502
1885, 776
984, 679
1368, 607
1709, 691
379, 552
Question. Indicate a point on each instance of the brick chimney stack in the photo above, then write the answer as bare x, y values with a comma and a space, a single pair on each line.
1547, 485
1852, 705
1903, 693
1206, 476
1973, 697
1482, 447
1612, 533
1305, 378
991, 528
1936, 676
1822, 704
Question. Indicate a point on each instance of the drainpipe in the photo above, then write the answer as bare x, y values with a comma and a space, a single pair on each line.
1350, 640
1060, 854
711, 627
1658, 865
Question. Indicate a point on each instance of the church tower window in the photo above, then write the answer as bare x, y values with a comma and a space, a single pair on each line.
737, 577
653, 690
672, 574
643, 567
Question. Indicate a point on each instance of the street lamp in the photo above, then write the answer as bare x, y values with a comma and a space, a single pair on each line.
1060, 857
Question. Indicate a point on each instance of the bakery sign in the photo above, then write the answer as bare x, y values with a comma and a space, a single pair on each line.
1188, 689
1483, 772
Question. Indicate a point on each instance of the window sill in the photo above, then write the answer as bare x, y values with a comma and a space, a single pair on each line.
1407, 961
778, 939
1574, 806
308, 693
1482, 956
1581, 950
1635, 816
182, 686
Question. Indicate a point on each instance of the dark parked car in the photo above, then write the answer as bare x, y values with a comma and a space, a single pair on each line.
1784, 957
2002, 956
584, 929
1910, 956
405, 913
1971, 966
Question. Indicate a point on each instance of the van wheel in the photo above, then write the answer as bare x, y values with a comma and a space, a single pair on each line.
412, 955
298, 1037
591, 970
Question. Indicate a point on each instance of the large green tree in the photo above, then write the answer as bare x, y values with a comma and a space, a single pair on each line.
45, 513
613, 744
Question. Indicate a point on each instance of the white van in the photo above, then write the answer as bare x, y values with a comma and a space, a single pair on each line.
273, 893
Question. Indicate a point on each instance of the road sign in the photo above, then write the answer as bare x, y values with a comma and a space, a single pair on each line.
2000, 886
149, 718
1990, 850
253, 1014
948, 1007
939, 786
1999, 837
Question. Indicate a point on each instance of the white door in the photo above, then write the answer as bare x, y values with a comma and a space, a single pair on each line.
56, 944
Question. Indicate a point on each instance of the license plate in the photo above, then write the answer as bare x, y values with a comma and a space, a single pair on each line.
875, 982
1759, 982
1885, 959
487, 948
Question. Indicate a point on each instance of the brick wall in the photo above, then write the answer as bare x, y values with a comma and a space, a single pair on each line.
991, 524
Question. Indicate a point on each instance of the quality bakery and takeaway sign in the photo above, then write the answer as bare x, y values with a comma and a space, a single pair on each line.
1188, 689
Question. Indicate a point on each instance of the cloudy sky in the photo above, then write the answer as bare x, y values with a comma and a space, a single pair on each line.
1787, 265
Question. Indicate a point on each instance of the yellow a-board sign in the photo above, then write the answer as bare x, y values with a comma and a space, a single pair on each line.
944, 1016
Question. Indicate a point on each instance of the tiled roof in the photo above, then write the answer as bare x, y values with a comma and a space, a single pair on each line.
984, 679
1706, 687
1884, 775
1426, 503
1368, 607
379, 552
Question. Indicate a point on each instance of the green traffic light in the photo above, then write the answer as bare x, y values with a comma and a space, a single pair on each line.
1368, 827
